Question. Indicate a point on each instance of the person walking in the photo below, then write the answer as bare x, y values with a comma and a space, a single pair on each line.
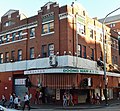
64, 99
36, 97
97, 99
3, 100
71, 100
40, 97
26, 101
11, 101
16, 102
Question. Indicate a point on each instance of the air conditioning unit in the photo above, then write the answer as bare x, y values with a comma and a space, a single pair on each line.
53, 60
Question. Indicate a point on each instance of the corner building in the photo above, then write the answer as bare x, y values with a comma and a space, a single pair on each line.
59, 50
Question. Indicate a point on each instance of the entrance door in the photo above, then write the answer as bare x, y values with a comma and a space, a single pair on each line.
20, 88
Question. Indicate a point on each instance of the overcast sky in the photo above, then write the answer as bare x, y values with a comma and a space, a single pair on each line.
95, 8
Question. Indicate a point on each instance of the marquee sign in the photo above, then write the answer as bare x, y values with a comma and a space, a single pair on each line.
62, 70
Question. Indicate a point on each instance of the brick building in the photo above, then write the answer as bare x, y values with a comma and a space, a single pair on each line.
47, 50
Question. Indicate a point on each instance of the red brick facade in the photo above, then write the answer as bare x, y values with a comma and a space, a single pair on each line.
62, 34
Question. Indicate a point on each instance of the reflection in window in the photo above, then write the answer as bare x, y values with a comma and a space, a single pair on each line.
32, 32
32, 53
47, 28
1, 58
51, 49
84, 51
19, 55
81, 28
91, 33
7, 38
13, 55
1, 39
44, 51
92, 54
7, 57
13, 36
79, 50
19, 35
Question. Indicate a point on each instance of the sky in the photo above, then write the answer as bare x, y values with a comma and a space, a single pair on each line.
95, 8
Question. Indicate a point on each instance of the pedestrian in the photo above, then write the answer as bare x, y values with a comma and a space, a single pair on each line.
16, 102
3, 100
71, 100
64, 99
97, 99
68, 99
36, 97
26, 101
19, 102
40, 97
11, 101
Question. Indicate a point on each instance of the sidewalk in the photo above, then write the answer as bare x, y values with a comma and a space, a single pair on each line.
79, 106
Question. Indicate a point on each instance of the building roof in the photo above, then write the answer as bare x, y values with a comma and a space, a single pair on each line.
111, 19
10, 12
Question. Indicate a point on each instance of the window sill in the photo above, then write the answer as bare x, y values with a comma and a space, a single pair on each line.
47, 33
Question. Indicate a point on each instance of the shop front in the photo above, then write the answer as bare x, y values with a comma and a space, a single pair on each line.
54, 83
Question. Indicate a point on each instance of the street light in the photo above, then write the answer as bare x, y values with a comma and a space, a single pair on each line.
105, 77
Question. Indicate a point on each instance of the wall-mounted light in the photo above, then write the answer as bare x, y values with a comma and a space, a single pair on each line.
57, 53
64, 52
70, 52
38, 56
75, 53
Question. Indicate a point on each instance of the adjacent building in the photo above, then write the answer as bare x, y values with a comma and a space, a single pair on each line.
58, 50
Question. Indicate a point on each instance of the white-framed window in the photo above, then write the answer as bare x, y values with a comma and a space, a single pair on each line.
1, 58
1, 39
13, 36
92, 54
7, 57
13, 55
48, 27
32, 53
44, 50
7, 38
32, 32
50, 49
91, 33
20, 35
8, 23
19, 55
101, 37
112, 25
81, 28
79, 50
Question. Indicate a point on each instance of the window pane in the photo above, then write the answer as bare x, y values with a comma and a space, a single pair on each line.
44, 51
1, 58
19, 55
51, 49
13, 56
79, 51
51, 28
32, 32
7, 57
13, 36
45, 28
84, 51
20, 35
7, 38
32, 53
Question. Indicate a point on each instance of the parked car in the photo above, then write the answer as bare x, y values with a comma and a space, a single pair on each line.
7, 109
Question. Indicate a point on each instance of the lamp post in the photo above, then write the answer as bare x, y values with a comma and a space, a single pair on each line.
104, 51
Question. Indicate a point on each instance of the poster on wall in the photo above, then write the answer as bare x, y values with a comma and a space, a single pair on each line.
57, 94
